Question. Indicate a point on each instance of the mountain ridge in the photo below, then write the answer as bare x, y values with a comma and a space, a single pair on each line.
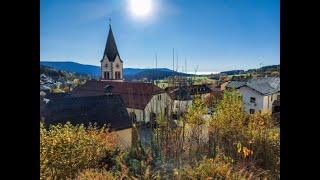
93, 70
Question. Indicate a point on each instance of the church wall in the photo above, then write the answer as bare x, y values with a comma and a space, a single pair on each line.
117, 60
157, 105
103, 65
138, 112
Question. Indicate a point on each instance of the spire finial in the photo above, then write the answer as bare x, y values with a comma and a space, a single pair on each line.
110, 22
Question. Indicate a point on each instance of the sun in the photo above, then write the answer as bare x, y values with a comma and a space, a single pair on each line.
140, 7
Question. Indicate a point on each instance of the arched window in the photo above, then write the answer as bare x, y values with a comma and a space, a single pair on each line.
133, 117
153, 116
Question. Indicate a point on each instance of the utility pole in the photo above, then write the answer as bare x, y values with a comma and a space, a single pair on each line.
177, 63
260, 65
173, 60
185, 65
156, 61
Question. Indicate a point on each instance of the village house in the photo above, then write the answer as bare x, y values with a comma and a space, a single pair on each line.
203, 90
107, 109
259, 93
181, 100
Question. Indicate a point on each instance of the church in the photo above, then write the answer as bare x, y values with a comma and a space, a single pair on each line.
111, 63
143, 101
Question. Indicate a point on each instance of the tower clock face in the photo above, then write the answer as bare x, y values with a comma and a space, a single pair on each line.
106, 65
117, 65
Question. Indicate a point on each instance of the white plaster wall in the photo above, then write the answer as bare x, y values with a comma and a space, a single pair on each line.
181, 105
103, 66
274, 97
138, 112
117, 61
246, 93
158, 106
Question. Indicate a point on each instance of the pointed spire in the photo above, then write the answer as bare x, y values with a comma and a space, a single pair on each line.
111, 50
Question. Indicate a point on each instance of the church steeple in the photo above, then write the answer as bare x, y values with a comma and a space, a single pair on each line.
111, 50
111, 63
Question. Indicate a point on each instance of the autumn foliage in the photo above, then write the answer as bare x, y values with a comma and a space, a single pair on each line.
66, 149
230, 144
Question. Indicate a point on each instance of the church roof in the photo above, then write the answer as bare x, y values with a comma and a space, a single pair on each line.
134, 94
111, 50
104, 109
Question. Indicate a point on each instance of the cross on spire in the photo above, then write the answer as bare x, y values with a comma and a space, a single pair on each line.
110, 22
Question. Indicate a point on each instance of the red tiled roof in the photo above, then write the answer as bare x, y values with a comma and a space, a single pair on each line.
134, 94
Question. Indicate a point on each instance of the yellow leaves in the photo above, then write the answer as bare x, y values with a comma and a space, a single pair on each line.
76, 81
69, 148
66, 89
56, 90
239, 146
246, 152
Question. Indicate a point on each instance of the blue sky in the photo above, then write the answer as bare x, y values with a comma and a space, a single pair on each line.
217, 35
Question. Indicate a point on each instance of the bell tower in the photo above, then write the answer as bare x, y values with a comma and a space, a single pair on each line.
111, 63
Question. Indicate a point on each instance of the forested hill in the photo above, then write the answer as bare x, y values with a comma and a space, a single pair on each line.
57, 74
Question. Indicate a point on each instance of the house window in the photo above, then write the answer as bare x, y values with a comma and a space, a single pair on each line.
251, 111
278, 97
252, 99
271, 97
177, 105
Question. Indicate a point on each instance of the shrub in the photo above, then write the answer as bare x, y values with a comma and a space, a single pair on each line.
66, 149
212, 168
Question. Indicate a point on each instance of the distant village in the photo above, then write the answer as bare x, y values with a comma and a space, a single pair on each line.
120, 104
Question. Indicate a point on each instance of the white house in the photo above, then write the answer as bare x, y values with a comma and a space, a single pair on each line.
258, 93
181, 100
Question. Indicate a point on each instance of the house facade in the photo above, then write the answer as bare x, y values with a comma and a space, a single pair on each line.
181, 100
157, 105
259, 93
